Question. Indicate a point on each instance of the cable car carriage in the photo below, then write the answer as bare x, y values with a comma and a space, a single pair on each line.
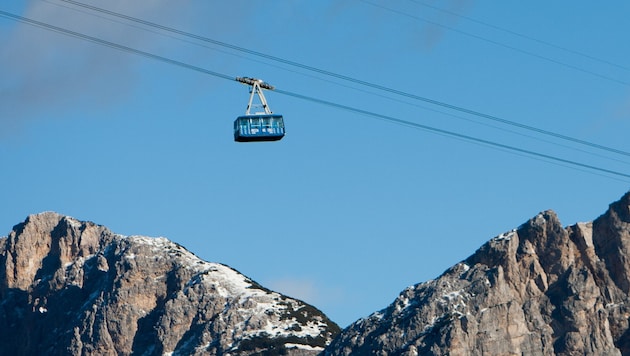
260, 126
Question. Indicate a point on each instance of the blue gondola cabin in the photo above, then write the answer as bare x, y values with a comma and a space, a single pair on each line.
259, 127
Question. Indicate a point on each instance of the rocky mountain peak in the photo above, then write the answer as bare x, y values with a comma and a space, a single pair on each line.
43, 243
540, 289
74, 287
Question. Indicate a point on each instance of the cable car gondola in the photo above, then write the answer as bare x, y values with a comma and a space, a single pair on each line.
260, 126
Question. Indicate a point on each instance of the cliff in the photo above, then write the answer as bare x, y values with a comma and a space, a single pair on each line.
70, 287
541, 289
74, 287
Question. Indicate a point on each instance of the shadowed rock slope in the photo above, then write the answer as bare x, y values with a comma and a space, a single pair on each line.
69, 287
541, 289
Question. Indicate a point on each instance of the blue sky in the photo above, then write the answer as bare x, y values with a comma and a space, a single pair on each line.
347, 210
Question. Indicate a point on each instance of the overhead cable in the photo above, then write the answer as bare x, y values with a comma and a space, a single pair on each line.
106, 43
355, 80
497, 43
557, 160
451, 133
517, 34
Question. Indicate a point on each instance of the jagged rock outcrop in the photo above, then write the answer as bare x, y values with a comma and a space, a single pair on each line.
541, 289
69, 287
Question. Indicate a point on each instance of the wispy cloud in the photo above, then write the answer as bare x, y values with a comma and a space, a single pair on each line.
44, 71
300, 289
425, 24
306, 290
437, 25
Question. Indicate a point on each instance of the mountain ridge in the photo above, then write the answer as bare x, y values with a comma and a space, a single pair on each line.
540, 289
74, 287
114, 294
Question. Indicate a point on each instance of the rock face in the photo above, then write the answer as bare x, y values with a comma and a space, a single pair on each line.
69, 287
541, 289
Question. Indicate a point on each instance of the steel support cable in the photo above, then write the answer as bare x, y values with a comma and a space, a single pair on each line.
451, 133
108, 43
530, 38
355, 80
392, 119
500, 44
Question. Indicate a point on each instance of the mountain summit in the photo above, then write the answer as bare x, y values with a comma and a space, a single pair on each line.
74, 287
541, 289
